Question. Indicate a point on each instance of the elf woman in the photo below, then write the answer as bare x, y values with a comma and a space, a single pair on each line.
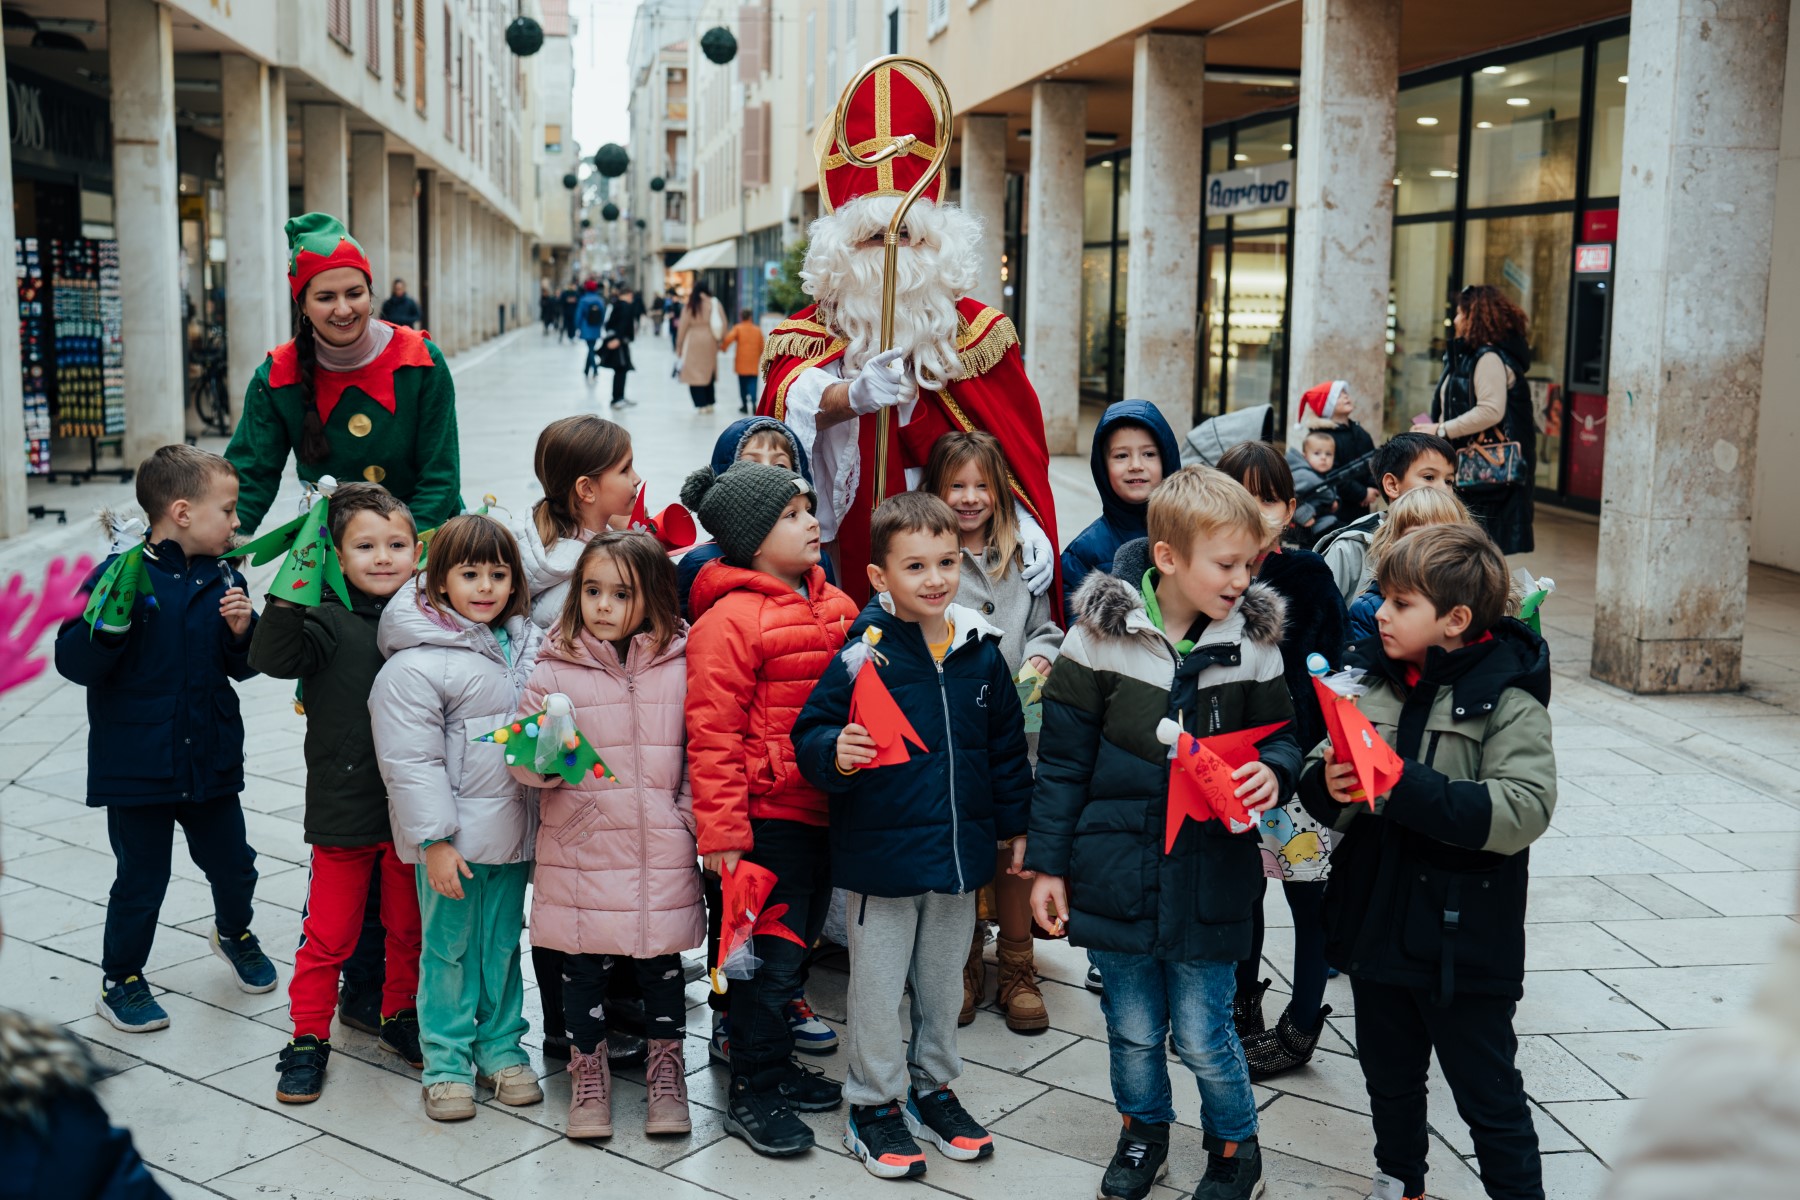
351, 396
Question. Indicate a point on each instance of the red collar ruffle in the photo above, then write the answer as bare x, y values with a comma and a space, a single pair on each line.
375, 380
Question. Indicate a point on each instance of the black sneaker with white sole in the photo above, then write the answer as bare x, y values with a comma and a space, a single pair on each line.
807, 1089
877, 1134
764, 1119
938, 1117
1139, 1160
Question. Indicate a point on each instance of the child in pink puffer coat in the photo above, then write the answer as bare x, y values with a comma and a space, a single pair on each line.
617, 883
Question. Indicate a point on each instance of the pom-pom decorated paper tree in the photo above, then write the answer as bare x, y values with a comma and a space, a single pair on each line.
549, 743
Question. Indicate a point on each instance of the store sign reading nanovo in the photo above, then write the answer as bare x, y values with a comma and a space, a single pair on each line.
1249, 189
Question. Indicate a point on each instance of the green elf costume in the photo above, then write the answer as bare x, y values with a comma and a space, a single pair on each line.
384, 406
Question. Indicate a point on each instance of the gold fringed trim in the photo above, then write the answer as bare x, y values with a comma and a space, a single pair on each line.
981, 344
792, 344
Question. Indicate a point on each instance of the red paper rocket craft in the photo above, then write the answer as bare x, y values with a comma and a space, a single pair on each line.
874, 708
1200, 782
673, 526
1355, 741
746, 888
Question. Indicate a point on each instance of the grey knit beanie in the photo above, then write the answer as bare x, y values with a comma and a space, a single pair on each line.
740, 507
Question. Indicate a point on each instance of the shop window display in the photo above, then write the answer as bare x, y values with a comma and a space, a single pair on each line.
1256, 347
1426, 121
1525, 130
1419, 320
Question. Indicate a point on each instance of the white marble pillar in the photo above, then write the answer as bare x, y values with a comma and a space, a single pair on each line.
256, 284
368, 219
441, 316
281, 317
325, 160
13, 518
1162, 289
1052, 277
403, 222
984, 196
462, 269
1344, 200
147, 219
1696, 217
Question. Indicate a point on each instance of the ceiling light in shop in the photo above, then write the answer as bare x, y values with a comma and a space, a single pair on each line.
1443, 174
1240, 158
1428, 120
1484, 124
1517, 101
1287, 146
1493, 70
1624, 79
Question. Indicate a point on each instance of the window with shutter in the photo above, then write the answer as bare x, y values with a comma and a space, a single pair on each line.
372, 36
400, 48
755, 142
420, 84
752, 21
449, 78
337, 21
937, 17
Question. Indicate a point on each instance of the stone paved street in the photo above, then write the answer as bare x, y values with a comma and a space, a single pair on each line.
1668, 877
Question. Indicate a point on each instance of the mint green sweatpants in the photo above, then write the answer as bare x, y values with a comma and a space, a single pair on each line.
471, 994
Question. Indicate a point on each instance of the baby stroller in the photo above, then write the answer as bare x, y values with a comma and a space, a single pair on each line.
1316, 513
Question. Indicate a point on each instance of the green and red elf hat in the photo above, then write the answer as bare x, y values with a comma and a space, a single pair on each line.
319, 242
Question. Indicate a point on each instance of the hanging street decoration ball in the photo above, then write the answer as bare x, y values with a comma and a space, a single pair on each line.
641, 223
586, 224
658, 184
609, 211
524, 37
611, 160
718, 45
569, 181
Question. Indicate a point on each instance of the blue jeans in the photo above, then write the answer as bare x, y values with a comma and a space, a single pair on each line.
1147, 996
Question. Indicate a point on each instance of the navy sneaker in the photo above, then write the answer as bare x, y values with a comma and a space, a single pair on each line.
811, 1035
129, 1007
360, 1009
400, 1035
302, 1067
938, 1117
250, 967
877, 1134
1236, 1178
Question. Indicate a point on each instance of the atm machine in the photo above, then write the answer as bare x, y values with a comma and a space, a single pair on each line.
1590, 343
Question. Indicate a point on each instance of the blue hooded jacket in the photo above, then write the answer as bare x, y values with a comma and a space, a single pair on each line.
725, 452
590, 317
1120, 520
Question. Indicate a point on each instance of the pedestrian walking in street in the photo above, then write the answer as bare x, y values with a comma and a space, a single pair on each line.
672, 306
547, 307
460, 645
590, 322
702, 329
400, 308
331, 649
566, 302
165, 741
747, 338
1483, 406
614, 888
621, 329
349, 397
658, 311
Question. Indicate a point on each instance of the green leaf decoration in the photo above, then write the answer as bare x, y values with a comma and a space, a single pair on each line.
116, 594
520, 738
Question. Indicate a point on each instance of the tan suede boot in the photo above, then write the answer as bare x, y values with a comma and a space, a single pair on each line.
974, 976
1020, 998
590, 1094
665, 1076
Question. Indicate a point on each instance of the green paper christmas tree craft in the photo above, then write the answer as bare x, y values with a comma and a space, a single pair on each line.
1535, 591
312, 561
574, 758
1030, 685
116, 594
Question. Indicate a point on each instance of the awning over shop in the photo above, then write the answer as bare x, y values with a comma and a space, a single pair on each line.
719, 254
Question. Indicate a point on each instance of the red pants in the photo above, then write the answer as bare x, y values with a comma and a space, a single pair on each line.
335, 896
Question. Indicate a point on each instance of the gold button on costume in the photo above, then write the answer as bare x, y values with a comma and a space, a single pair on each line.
360, 425
374, 474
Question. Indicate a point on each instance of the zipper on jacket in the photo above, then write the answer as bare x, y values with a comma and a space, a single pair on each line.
950, 751
637, 762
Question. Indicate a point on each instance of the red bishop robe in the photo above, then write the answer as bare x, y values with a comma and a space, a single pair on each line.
993, 395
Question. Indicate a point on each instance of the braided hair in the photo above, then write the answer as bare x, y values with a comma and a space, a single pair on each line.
315, 446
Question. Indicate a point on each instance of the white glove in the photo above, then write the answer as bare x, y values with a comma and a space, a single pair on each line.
877, 387
1038, 553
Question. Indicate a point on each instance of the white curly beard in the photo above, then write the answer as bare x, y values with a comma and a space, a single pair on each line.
933, 271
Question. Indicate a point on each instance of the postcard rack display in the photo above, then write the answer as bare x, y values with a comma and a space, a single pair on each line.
71, 351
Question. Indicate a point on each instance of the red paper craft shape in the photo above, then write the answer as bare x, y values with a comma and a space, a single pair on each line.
673, 526
873, 707
745, 890
1200, 782
1355, 741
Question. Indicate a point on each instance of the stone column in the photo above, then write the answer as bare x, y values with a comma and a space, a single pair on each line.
1168, 148
254, 276
13, 519
984, 196
1052, 277
368, 219
325, 160
147, 218
403, 222
1344, 200
461, 269
441, 313
1696, 216
281, 322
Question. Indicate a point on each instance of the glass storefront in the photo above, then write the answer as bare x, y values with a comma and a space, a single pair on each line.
1504, 165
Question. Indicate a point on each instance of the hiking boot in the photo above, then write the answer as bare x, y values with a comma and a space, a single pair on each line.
449, 1101
811, 1035
1020, 998
400, 1035
1247, 1012
938, 1117
1386, 1187
514, 1086
359, 1009
807, 1089
877, 1134
129, 1007
1139, 1160
302, 1067
1236, 1178
763, 1119
1094, 982
974, 976
1284, 1047
590, 1094
251, 969
665, 1079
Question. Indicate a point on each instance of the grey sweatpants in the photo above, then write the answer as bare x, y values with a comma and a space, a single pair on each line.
922, 940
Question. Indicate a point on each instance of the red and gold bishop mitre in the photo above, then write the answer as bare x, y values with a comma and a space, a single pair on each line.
890, 103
